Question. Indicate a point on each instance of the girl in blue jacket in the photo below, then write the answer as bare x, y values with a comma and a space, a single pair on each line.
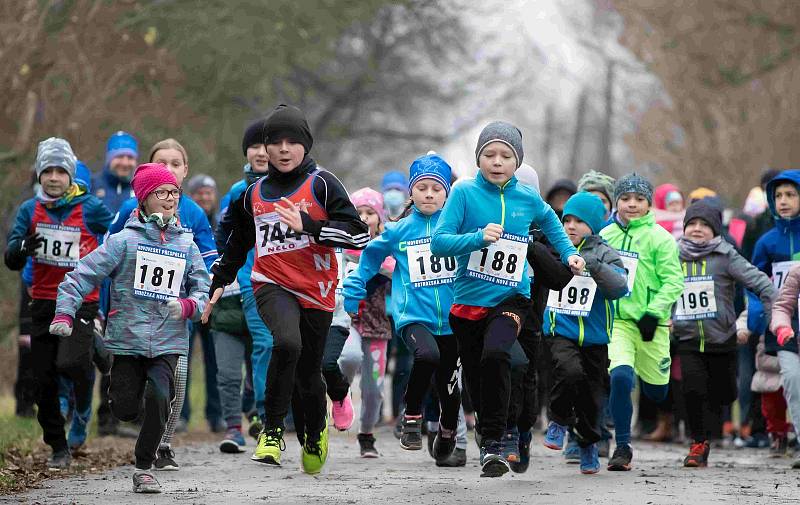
485, 225
422, 292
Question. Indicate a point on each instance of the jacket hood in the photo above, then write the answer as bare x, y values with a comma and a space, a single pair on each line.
660, 195
647, 219
792, 176
151, 230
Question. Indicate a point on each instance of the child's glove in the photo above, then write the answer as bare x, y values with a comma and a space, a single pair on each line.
647, 327
784, 333
30, 244
61, 325
181, 309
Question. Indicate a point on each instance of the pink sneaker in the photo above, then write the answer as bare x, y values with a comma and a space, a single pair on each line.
343, 414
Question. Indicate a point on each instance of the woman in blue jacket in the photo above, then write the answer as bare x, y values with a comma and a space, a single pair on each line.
422, 292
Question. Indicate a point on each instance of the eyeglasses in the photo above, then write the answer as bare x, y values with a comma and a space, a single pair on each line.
162, 194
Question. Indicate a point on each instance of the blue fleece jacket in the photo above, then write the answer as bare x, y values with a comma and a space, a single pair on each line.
220, 234
111, 190
472, 205
192, 218
781, 243
423, 304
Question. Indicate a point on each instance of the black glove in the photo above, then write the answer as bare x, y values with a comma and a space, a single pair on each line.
30, 243
647, 327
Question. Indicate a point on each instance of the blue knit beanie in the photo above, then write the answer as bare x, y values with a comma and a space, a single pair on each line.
587, 207
394, 180
120, 144
83, 176
633, 183
430, 166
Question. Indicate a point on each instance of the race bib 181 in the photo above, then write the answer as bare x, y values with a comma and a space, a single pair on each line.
576, 298
425, 269
697, 300
61, 245
274, 237
159, 273
502, 262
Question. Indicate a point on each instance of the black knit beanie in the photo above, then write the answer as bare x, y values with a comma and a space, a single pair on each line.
254, 134
287, 121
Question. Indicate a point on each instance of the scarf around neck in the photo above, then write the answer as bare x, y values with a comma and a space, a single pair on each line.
694, 250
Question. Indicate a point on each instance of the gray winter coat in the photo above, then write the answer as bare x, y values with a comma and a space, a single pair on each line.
136, 325
727, 267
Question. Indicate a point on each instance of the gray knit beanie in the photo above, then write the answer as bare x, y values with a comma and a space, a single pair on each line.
597, 181
499, 131
55, 152
633, 183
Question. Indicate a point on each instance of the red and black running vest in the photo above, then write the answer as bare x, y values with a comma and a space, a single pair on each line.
289, 259
63, 244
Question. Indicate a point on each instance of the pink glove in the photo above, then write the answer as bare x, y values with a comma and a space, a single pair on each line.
61, 325
182, 308
784, 333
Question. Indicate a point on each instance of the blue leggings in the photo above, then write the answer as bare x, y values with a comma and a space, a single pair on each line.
622, 382
262, 347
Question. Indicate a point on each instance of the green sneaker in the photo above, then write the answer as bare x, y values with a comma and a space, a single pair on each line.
315, 451
270, 445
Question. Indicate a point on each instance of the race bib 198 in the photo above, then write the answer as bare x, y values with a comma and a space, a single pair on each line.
697, 300
576, 298
630, 260
424, 268
274, 237
61, 245
502, 262
159, 273
780, 269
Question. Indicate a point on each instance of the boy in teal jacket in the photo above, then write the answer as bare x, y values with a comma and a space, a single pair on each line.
578, 321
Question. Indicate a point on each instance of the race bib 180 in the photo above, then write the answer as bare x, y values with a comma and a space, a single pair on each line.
697, 300
630, 260
159, 273
61, 245
502, 262
576, 298
274, 237
425, 269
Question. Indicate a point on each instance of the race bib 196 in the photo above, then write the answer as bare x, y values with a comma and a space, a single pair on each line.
159, 273
576, 298
274, 237
424, 268
697, 300
61, 245
630, 260
502, 262
780, 269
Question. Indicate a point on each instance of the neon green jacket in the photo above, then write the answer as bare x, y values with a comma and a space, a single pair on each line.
658, 280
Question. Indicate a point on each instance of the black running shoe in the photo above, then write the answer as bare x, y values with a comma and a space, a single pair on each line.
444, 445
366, 443
456, 459
411, 439
521, 466
621, 459
165, 460
493, 464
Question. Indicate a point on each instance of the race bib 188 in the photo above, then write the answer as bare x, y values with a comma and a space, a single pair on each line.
159, 273
274, 237
61, 245
697, 300
630, 260
424, 268
576, 298
502, 262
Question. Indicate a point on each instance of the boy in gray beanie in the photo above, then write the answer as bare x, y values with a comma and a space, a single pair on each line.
499, 131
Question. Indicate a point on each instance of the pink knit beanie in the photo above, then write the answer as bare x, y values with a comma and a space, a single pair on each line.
148, 177
368, 197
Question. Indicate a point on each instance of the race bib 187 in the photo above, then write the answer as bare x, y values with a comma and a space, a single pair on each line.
630, 260
159, 273
424, 268
61, 245
502, 262
697, 300
576, 298
274, 237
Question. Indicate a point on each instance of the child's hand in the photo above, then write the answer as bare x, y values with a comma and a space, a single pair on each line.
290, 215
61, 325
784, 333
742, 336
217, 294
576, 264
492, 233
181, 309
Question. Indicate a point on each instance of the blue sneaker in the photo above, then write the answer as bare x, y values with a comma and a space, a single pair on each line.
510, 444
525, 439
233, 443
590, 459
554, 438
572, 453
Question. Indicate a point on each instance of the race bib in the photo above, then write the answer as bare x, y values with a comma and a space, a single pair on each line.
159, 273
697, 300
630, 260
232, 289
576, 298
343, 270
780, 270
61, 245
424, 268
502, 262
274, 237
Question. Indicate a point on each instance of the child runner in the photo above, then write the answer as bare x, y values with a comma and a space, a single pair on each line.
640, 340
485, 225
422, 287
158, 281
57, 227
704, 322
784, 325
578, 320
295, 216
192, 218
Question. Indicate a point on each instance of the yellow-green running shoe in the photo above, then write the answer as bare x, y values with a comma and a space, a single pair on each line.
315, 451
270, 445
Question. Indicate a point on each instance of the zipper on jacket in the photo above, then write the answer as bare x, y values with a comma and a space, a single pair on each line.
503, 204
700, 322
580, 331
